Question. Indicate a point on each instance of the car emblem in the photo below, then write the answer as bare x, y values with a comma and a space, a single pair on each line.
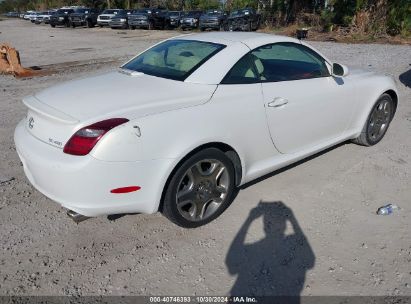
31, 122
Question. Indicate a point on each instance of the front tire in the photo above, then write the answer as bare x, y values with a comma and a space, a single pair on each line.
201, 188
377, 122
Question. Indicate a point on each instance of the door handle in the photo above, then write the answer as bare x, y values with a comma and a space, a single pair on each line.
278, 102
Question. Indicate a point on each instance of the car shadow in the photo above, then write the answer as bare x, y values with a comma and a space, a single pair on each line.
275, 265
405, 78
115, 217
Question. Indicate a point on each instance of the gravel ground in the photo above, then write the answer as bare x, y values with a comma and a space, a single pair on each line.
316, 234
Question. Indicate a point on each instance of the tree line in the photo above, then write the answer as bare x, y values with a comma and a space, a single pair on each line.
391, 17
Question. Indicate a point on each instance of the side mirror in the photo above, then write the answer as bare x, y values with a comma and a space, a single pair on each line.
339, 70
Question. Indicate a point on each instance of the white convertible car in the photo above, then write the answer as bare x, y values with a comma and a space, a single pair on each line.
182, 125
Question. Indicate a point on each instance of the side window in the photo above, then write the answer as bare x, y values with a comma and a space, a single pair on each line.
242, 72
289, 61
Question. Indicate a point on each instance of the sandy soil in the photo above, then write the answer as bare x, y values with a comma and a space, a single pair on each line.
317, 234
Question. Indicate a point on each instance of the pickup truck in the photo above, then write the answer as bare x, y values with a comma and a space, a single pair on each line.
213, 19
190, 20
246, 19
44, 17
61, 17
173, 19
148, 19
84, 17
105, 17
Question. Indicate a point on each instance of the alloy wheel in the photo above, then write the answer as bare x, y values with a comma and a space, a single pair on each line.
202, 190
379, 119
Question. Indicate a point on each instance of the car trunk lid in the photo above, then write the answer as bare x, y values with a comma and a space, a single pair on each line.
56, 113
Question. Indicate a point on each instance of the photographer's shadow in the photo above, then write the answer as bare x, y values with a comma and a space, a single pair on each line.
275, 265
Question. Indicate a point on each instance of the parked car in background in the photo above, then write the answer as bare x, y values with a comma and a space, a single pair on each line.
44, 17
61, 17
245, 19
104, 18
148, 19
34, 16
120, 21
12, 14
84, 17
190, 20
29, 14
213, 19
172, 19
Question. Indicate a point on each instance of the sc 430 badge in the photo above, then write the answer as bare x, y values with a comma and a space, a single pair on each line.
55, 142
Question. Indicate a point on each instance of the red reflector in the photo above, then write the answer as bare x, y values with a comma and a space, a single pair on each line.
126, 189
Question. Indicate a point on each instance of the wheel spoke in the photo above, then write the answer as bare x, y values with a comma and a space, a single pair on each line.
375, 130
216, 174
187, 195
200, 210
195, 173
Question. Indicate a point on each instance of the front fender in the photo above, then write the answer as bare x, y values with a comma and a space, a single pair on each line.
370, 89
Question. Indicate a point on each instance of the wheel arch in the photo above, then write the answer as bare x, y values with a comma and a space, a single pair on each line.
231, 153
394, 97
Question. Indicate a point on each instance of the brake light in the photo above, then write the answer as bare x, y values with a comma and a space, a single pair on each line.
84, 140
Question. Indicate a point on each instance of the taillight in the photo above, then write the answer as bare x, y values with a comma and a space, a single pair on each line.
84, 140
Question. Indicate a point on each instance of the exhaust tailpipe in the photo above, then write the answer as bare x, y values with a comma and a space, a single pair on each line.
76, 217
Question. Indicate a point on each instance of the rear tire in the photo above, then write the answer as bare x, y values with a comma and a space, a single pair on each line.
201, 188
89, 24
377, 122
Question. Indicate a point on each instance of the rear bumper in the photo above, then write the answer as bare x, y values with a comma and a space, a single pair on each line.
78, 21
103, 22
189, 25
118, 24
83, 183
212, 25
58, 22
138, 23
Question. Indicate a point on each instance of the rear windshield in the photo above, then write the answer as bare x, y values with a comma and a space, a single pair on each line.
192, 14
173, 13
240, 12
65, 11
81, 11
174, 59
142, 11
110, 11
214, 12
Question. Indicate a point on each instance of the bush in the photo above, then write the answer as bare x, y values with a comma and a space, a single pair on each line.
399, 18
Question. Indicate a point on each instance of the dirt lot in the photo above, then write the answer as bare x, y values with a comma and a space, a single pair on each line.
336, 245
